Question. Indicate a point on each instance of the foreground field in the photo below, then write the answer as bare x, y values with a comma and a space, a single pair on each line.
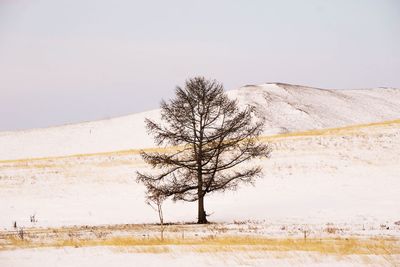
345, 175
328, 198
239, 244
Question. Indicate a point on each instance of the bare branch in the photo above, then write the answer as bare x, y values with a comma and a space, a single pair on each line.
216, 137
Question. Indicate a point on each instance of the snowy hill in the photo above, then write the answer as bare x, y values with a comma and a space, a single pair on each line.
287, 108
335, 174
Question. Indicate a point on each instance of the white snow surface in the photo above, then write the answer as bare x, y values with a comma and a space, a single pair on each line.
350, 177
105, 256
286, 108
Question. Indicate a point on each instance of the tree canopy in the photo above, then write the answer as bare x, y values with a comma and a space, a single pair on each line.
211, 138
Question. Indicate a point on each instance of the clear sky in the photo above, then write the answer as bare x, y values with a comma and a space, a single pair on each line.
68, 61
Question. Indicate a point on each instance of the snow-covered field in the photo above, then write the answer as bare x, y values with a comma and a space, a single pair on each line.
242, 243
334, 165
106, 256
342, 175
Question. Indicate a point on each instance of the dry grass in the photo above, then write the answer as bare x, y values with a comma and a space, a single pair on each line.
348, 130
337, 246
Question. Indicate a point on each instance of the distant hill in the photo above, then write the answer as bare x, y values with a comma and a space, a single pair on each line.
286, 107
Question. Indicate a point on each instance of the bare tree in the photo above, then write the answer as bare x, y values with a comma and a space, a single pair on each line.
211, 136
156, 201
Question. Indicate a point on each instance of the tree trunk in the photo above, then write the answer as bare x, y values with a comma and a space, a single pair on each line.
202, 218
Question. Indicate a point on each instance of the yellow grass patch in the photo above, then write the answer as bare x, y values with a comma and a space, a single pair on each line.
337, 246
319, 132
332, 131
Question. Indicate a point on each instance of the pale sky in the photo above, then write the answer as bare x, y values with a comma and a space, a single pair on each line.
67, 61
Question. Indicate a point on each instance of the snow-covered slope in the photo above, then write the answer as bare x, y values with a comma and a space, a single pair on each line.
348, 174
297, 108
286, 107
